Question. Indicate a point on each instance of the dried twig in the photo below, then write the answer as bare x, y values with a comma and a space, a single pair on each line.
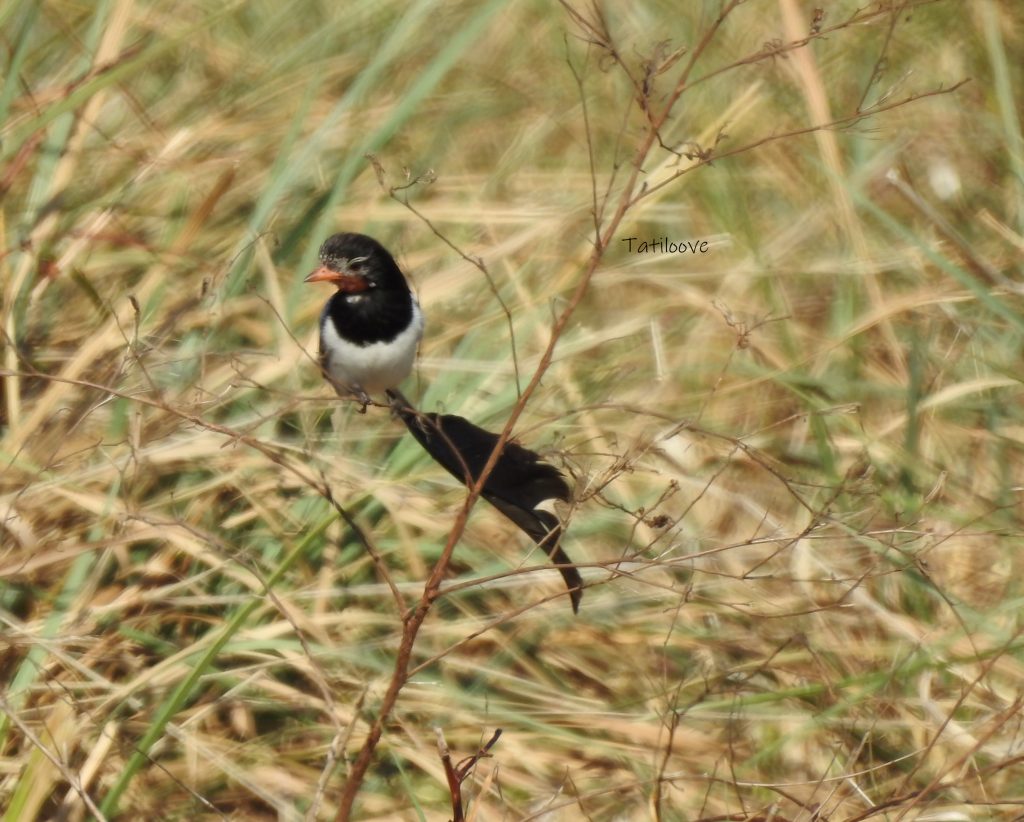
594, 30
456, 774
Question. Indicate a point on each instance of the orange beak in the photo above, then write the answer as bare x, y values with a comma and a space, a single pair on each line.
351, 283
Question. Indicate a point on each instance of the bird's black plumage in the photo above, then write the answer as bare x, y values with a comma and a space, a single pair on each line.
381, 310
518, 483
369, 331
371, 327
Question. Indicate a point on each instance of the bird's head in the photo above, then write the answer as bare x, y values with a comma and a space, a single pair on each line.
357, 264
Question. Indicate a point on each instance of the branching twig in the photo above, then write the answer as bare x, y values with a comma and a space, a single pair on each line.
594, 30
476, 262
456, 774
848, 120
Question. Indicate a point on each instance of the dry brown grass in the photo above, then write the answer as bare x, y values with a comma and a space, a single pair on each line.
797, 457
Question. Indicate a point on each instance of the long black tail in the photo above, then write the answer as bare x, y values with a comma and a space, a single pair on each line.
519, 482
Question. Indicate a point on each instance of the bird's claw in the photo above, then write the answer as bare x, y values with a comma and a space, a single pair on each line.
362, 398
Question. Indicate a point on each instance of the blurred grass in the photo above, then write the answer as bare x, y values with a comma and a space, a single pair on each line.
797, 457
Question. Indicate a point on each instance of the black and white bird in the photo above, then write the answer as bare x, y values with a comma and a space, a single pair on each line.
369, 332
370, 329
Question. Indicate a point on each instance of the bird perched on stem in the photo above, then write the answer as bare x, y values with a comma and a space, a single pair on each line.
371, 327
369, 332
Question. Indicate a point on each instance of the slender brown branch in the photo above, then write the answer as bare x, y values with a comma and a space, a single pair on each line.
476, 262
859, 17
591, 160
848, 120
451, 777
595, 32
431, 590
877, 68
456, 774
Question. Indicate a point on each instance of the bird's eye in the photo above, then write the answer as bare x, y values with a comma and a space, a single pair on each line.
357, 260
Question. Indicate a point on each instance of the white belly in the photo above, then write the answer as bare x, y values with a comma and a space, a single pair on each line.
374, 367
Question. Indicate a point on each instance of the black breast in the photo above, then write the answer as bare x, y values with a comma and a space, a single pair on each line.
371, 316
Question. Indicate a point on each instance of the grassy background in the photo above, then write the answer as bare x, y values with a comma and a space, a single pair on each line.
798, 456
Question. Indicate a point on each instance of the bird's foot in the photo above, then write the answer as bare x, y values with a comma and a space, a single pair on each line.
362, 398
